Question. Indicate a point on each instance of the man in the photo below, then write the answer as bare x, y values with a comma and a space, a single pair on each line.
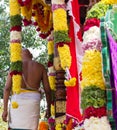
26, 116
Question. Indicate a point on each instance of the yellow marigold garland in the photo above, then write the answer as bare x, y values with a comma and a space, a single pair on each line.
109, 1
52, 82
65, 56
14, 7
59, 16
16, 87
27, 11
71, 82
50, 47
92, 69
14, 105
52, 110
15, 50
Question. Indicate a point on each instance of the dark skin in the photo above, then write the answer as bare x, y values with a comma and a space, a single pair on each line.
34, 74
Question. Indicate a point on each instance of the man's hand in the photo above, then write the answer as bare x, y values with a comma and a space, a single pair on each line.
4, 116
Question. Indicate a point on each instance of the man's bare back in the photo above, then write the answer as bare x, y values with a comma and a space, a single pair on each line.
32, 71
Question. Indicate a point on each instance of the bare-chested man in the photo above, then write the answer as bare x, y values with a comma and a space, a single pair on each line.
29, 99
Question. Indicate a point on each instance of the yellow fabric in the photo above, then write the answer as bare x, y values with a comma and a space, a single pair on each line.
28, 91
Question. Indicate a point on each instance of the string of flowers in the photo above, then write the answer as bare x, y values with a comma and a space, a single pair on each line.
61, 37
51, 78
43, 125
15, 48
39, 14
109, 1
93, 97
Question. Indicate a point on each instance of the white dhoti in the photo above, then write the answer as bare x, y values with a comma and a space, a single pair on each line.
26, 116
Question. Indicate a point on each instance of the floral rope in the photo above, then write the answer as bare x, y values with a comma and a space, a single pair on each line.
15, 48
93, 97
61, 37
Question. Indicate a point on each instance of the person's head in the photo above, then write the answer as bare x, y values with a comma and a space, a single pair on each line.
26, 54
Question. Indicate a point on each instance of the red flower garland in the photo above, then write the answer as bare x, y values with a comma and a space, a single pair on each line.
15, 73
23, 3
91, 22
96, 112
15, 28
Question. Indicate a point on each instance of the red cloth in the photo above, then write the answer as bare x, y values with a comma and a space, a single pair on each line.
76, 14
73, 103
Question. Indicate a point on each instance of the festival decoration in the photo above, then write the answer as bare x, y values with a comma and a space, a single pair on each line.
61, 37
93, 97
43, 125
15, 48
73, 110
39, 14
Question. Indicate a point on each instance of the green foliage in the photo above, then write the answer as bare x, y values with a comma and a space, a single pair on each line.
93, 96
61, 36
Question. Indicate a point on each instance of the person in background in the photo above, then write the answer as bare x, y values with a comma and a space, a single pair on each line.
26, 116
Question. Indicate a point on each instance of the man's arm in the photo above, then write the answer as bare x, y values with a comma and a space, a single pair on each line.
47, 91
6, 95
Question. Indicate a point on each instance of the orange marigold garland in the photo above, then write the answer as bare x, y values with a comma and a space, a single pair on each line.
38, 13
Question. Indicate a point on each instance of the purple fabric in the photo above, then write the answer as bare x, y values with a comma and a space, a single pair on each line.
113, 51
113, 57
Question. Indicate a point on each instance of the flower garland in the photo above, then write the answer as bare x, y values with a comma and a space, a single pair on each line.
37, 13
61, 37
43, 125
109, 1
51, 78
97, 123
93, 96
93, 75
15, 48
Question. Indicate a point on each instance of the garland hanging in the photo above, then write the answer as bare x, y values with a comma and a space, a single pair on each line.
15, 48
61, 38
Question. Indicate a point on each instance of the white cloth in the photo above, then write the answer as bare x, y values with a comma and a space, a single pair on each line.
26, 116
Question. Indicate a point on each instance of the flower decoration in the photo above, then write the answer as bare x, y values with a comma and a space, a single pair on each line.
90, 23
94, 44
93, 75
52, 110
51, 122
93, 96
109, 1
71, 82
65, 56
91, 34
15, 105
39, 14
96, 112
97, 123
52, 82
98, 10
50, 47
43, 125
15, 48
